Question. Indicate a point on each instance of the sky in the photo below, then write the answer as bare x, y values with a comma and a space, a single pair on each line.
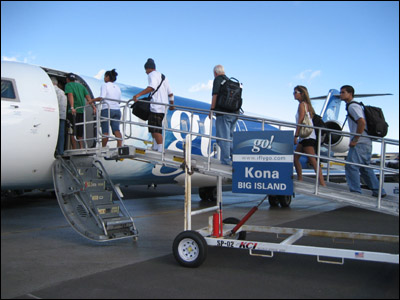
268, 46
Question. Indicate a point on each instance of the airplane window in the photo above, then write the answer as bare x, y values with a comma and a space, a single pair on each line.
7, 90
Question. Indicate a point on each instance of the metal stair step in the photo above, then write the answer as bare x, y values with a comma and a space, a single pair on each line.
120, 234
117, 223
95, 185
100, 198
89, 173
108, 211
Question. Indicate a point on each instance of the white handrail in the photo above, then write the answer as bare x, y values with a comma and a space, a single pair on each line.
127, 121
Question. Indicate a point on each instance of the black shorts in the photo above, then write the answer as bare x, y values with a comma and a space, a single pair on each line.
78, 129
155, 120
309, 143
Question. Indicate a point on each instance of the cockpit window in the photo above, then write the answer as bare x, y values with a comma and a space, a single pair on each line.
8, 91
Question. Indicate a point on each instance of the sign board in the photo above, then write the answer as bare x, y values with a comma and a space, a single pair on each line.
263, 162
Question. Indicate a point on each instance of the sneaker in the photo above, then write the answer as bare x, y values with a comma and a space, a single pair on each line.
382, 196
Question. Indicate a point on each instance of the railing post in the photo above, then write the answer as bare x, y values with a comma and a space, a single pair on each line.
381, 175
329, 155
318, 163
210, 139
188, 183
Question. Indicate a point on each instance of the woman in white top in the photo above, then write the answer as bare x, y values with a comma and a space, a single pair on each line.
306, 145
110, 109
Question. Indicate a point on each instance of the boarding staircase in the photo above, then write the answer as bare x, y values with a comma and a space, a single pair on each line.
89, 200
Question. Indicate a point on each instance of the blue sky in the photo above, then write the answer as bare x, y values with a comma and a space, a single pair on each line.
269, 46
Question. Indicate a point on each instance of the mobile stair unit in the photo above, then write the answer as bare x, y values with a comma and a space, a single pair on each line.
86, 196
190, 246
84, 191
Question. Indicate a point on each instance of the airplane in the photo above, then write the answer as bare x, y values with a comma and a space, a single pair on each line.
29, 132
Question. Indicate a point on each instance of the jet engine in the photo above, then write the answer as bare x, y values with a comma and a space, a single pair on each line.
339, 143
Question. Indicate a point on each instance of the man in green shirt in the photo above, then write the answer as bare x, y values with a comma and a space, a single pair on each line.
76, 94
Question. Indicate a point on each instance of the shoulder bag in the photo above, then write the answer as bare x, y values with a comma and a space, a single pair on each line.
306, 131
141, 109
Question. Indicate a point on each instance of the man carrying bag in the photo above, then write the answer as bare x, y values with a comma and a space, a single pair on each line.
160, 93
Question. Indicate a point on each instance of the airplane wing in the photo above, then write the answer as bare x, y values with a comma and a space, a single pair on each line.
370, 95
355, 96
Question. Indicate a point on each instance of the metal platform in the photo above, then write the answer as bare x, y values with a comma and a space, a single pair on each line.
341, 193
175, 159
191, 163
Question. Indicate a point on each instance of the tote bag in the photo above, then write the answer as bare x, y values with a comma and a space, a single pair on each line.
306, 131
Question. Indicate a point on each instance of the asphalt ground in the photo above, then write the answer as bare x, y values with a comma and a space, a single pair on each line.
43, 257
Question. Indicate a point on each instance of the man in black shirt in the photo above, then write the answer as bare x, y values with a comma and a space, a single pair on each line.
225, 123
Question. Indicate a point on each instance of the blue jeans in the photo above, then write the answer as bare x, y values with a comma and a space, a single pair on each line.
61, 138
114, 114
224, 126
361, 154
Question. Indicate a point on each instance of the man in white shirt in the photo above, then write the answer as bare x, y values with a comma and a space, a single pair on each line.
161, 93
360, 147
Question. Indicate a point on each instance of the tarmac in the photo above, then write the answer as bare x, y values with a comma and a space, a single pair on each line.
42, 257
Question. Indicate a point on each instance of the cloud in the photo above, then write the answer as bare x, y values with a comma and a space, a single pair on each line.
308, 75
100, 74
26, 59
201, 87
315, 74
6, 58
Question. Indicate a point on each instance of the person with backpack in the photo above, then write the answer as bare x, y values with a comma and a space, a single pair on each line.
222, 102
360, 146
305, 144
160, 92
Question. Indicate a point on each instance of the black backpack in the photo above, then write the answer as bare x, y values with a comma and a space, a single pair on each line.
374, 118
318, 122
230, 95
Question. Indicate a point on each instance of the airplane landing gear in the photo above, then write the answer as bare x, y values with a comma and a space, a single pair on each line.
276, 200
208, 194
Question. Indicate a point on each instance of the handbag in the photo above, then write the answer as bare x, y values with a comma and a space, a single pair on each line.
306, 131
141, 109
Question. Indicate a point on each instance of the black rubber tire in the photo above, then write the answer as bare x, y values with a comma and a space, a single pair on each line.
285, 201
208, 194
273, 200
276, 200
204, 195
190, 249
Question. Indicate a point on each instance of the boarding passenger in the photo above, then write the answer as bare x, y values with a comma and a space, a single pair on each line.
76, 94
307, 144
161, 92
62, 110
360, 147
110, 109
224, 124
